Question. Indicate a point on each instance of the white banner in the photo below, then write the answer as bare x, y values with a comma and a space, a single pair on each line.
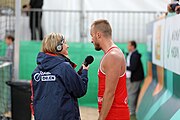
149, 36
172, 44
158, 41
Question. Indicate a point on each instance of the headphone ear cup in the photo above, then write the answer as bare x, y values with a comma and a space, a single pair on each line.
59, 48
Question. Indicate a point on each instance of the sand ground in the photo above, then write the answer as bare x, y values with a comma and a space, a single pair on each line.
88, 113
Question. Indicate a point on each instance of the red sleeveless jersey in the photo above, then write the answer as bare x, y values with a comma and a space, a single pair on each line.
119, 109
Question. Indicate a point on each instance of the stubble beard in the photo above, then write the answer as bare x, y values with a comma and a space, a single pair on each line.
97, 47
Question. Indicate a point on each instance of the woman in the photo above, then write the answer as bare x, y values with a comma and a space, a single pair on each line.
55, 84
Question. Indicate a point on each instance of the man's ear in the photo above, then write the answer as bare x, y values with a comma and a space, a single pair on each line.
98, 35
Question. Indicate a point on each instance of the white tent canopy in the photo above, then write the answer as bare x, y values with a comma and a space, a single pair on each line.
63, 22
112, 5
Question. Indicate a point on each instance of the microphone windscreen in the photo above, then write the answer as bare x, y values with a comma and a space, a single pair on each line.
88, 60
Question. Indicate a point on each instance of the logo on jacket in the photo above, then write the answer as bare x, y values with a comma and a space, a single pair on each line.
44, 76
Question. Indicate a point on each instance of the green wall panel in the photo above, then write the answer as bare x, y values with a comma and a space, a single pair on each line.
2, 48
77, 53
176, 85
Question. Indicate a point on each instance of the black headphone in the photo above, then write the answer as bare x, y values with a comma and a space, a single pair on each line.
59, 46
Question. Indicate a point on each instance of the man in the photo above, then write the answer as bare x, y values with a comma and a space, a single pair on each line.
173, 6
9, 57
9, 51
112, 94
134, 75
35, 18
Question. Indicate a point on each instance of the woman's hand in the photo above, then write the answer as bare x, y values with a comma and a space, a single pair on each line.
84, 67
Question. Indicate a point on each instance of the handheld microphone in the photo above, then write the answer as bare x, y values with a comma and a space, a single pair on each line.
88, 60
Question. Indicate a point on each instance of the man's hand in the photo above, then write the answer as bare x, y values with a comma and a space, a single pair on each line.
169, 9
26, 7
101, 118
177, 9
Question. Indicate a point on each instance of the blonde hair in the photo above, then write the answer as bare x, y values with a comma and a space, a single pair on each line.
50, 42
103, 26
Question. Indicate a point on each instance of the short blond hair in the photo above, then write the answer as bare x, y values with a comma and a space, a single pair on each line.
103, 26
50, 42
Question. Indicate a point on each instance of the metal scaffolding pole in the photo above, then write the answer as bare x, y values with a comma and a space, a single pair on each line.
82, 21
16, 43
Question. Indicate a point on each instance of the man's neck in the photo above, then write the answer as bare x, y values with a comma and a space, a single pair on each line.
107, 45
132, 50
10, 43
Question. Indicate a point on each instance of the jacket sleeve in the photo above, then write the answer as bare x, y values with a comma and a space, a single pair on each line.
76, 85
133, 62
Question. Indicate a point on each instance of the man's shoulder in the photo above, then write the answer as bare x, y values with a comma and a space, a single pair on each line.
136, 53
115, 56
10, 47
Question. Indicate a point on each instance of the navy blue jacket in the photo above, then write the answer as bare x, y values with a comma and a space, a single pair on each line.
136, 68
56, 87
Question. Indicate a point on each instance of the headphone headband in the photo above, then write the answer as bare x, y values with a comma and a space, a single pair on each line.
62, 38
